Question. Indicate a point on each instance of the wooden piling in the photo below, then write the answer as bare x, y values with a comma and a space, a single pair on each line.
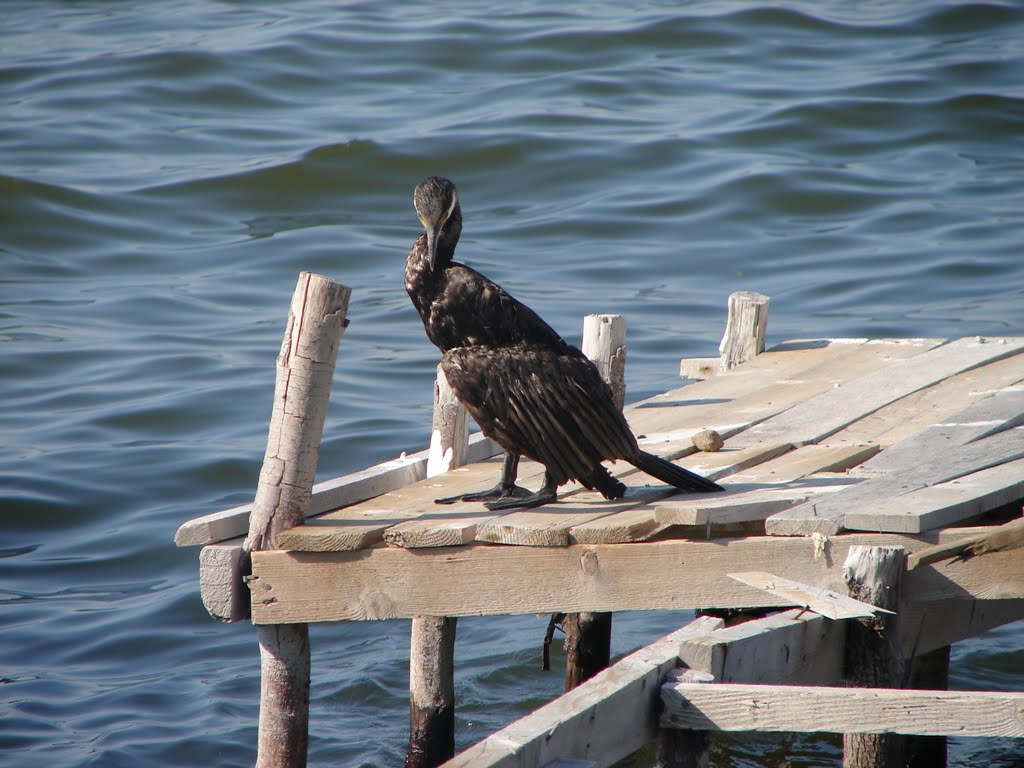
305, 368
745, 329
432, 646
588, 636
873, 656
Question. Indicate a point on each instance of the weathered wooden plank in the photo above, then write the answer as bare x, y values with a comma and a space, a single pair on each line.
941, 403
826, 514
741, 707
827, 602
987, 416
743, 502
772, 382
994, 539
944, 503
745, 328
386, 582
328, 495
815, 419
221, 567
604, 720
795, 647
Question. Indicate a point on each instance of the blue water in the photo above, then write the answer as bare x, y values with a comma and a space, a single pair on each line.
166, 169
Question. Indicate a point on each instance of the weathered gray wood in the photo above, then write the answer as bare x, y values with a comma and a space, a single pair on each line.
449, 434
604, 342
928, 671
815, 419
678, 748
330, 494
222, 568
873, 655
827, 514
994, 539
305, 369
992, 414
432, 648
926, 626
387, 582
740, 707
431, 692
605, 719
827, 602
942, 504
794, 647
745, 328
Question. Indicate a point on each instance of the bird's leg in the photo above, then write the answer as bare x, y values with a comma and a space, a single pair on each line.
506, 489
547, 493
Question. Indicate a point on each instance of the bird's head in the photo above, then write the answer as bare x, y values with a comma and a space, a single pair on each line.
437, 205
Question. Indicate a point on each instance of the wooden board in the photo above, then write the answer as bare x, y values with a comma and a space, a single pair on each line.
827, 602
942, 504
605, 719
935, 405
480, 579
794, 646
826, 515
328, 495
741, 707
816, 418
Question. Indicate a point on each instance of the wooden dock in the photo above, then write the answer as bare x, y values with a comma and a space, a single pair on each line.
831, 447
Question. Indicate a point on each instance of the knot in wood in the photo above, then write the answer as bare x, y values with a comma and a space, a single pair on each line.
589, 563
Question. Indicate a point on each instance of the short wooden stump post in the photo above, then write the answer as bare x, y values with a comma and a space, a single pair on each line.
305, 368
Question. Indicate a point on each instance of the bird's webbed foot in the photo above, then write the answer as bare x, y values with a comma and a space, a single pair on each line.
523, 500
498, 493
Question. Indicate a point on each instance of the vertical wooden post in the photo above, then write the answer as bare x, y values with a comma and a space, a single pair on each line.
588, 636
745, 329
432, 648
305, 368
873, 657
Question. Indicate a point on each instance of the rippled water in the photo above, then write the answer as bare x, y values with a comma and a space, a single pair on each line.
168, 168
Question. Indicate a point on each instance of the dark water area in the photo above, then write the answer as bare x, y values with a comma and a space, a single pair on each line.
166, 170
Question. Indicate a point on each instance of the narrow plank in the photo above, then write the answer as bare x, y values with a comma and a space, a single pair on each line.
827, 514
942, 504
742, 707
605, 719
743, 502
328, 495
772, 382
987, 416
994, 539
815, 419
808, 460
641, 522
938, 404
794, 646
388, 582
827, 602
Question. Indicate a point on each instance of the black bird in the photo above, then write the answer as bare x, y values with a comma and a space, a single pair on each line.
526, 388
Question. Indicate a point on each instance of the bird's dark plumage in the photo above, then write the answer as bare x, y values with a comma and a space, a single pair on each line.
528, 389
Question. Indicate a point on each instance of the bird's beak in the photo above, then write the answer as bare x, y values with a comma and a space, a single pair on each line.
432, 238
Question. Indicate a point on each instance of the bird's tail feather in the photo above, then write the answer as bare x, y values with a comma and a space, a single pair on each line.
673, 474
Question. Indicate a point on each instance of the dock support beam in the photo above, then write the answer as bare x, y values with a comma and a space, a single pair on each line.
432, 646
305, 368
588, 636
745, 329
873, 656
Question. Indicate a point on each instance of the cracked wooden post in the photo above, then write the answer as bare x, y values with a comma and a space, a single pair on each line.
745, 329
305, 368
588, 635
873, 656
432, 646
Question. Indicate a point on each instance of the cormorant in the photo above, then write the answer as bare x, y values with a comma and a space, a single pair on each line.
525, 386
